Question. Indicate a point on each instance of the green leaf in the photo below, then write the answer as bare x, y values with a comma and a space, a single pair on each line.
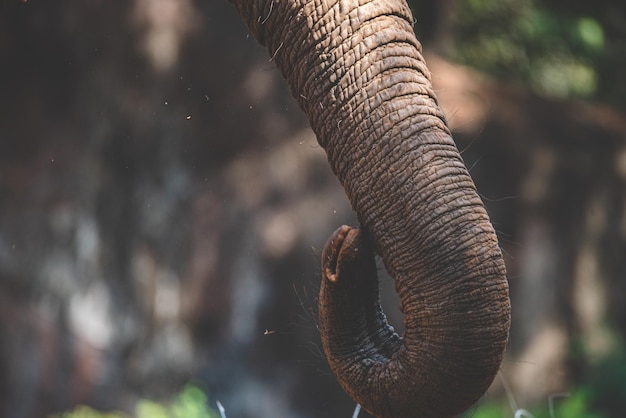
590, 33
149, 409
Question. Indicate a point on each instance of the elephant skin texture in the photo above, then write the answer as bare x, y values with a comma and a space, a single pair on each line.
357, 71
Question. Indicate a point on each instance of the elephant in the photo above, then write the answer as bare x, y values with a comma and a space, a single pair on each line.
357, 71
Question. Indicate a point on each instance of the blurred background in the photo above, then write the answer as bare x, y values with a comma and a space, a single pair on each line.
163, 204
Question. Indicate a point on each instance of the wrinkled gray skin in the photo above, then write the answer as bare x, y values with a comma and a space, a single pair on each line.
356, 69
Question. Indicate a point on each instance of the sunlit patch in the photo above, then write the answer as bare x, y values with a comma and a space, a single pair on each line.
166, 23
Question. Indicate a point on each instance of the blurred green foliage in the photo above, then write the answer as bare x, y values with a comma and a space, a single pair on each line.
577, 404
557, 48
83, 411
555, 54
601, 395
191, 402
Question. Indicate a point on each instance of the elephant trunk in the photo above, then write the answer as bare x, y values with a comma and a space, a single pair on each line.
356, 69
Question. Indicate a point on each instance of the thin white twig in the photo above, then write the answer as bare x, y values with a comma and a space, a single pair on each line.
523, 413
220, 408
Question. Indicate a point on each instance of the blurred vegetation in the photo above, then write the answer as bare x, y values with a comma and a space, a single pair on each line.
191, 402
558, 49
601, 395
